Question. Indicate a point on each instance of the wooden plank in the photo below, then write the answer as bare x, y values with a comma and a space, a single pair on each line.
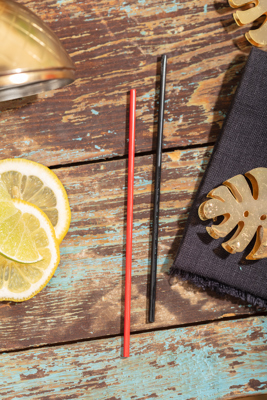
116, 45
216, 361
257, 397
84, 298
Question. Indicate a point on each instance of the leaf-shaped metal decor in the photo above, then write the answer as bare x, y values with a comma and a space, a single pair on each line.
257, 37
240, 207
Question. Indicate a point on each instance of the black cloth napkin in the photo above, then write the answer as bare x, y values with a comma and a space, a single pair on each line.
241, 146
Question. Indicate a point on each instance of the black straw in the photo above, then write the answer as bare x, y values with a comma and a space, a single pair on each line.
153, 276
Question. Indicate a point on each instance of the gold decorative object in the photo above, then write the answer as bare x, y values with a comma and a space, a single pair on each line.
241, 208
257, 37
32, 59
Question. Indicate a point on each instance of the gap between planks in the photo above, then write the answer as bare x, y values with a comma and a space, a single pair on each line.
137, 155
136, 333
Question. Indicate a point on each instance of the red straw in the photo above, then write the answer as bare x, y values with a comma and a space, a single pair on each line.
127, 309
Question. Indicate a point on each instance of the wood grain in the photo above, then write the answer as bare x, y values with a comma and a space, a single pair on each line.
116, 46
85, 297
216, 361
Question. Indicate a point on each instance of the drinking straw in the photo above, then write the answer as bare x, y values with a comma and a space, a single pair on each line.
154, 254
127, 309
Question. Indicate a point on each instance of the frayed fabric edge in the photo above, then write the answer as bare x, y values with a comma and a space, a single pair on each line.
221, 288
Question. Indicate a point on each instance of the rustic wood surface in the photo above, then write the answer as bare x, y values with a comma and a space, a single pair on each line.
216, 361
85, 297
116, 46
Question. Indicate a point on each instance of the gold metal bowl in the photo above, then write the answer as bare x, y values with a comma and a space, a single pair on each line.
32, 59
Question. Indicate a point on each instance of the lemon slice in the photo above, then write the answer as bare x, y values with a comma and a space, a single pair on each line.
16, 241
21, 281
37, 184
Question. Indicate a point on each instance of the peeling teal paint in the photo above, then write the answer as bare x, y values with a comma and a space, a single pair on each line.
146, 96
176, 6
193, 362
205, 8
110, 10
94, 112
32, 371
129, 10
52, 153
171, 9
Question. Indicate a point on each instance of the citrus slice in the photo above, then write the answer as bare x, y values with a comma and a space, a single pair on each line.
37, 184
16, 241
21, 281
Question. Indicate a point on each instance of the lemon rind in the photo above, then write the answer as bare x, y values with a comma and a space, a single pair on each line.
19, 297
50, 179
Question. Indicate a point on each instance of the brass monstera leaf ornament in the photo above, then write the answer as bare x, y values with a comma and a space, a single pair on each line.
255, 9
240, 207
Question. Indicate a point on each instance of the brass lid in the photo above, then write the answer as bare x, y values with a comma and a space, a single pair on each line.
32, 59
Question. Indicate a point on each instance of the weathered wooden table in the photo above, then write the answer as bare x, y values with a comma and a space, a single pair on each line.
66, 342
